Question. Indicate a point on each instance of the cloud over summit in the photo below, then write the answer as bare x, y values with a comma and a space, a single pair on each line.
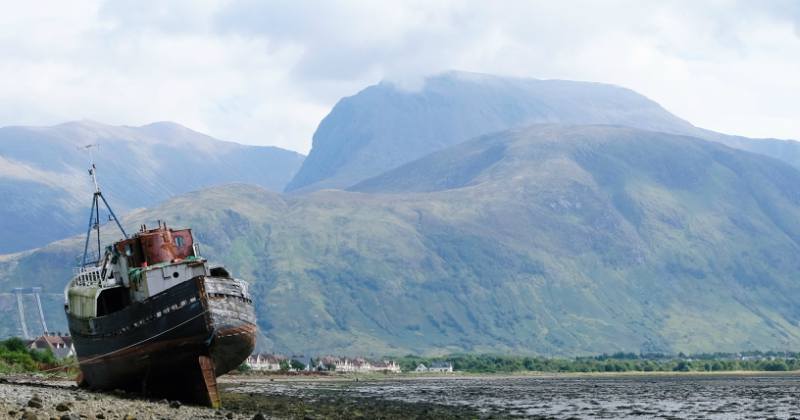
267, 72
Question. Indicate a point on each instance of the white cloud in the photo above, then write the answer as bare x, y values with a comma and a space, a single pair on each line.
267, 72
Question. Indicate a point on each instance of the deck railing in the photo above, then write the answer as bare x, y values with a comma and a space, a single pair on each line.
91, 277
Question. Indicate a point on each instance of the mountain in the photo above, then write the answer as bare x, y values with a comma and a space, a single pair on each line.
551, 239
385, 126
43, 173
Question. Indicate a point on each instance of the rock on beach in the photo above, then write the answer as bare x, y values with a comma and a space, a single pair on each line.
45, 400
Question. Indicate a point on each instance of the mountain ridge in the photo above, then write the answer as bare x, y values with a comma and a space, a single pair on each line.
560, 240
43, 172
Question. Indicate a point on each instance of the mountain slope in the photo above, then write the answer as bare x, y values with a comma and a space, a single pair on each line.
43, 173
548, 240
384, 126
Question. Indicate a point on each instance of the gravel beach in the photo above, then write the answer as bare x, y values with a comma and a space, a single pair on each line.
45, 400
620, 396
250, 398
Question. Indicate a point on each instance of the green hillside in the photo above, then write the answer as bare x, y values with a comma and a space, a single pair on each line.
550, 240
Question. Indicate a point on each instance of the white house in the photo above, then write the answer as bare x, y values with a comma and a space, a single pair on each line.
437, 367
60, 345
339, 364
265, 362
358, 364
387, 366
441, 367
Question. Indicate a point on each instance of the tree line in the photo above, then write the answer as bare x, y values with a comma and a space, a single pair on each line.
16, 357
619, 362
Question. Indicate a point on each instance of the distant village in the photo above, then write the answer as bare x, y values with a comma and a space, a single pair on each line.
277, 363
62, 347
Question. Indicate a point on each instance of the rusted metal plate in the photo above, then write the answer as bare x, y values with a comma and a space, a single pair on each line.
156, 246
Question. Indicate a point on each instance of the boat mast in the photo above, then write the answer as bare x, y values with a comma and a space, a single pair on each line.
94, 213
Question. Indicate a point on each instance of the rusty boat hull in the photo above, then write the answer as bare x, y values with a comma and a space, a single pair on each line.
172, 345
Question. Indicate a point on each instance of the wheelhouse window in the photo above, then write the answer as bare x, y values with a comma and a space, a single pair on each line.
179, 241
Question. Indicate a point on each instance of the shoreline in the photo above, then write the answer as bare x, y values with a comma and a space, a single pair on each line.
300, 396
494, 375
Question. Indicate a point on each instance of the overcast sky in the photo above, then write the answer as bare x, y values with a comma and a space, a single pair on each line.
266, 72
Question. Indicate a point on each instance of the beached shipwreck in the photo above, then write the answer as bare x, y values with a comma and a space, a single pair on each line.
151, 315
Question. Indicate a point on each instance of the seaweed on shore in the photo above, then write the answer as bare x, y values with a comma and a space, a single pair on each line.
341, 407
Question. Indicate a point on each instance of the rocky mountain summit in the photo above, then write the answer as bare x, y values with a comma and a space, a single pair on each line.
385, 126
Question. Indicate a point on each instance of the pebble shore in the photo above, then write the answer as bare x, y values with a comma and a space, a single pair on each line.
243, 398
61, 400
